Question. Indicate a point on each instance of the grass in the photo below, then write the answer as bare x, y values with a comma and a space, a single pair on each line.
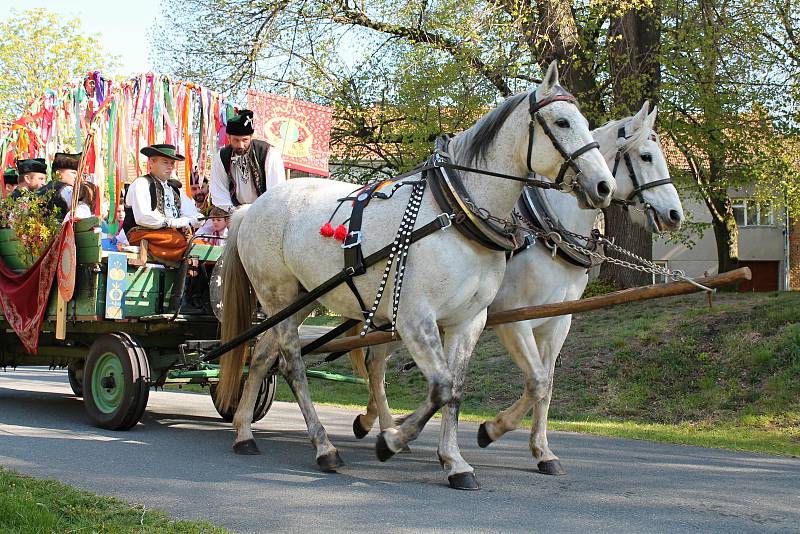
671, 370
29, 505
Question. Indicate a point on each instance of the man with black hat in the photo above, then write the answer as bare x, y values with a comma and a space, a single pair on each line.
65, 172
245, 168
32, 175
10, 179
157, 210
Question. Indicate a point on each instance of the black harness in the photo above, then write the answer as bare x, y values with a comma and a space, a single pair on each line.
637, 187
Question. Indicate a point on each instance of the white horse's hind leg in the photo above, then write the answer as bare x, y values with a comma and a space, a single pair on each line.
550, 340
518, 339
260, 364
294, 370
421, 336
459, 344
377, 405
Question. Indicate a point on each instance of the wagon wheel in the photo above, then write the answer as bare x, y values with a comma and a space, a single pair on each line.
116, 377
75, 377
266, 394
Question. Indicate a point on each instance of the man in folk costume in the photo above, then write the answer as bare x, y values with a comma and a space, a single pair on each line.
157, 210
65, 172
32, 175
245, 168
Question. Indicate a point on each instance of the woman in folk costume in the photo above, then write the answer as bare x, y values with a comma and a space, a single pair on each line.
157, 210
245, 168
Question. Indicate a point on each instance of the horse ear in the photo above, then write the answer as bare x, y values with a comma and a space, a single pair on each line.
640, 118
650, 122
550, 78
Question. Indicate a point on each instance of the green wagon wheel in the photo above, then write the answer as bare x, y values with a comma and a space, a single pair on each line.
266, 394
115, 381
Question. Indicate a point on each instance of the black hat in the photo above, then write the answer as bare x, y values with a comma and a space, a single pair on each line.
10, 176
168, 151
25, 166
63, 160
241, 123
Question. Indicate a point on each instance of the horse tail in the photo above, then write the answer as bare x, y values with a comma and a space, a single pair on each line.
237, 310
358, 357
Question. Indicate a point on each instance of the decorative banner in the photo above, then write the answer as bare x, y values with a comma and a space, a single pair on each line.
66, 267
116, 285
301, 130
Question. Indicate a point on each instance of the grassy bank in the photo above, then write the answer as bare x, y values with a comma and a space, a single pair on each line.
30, 505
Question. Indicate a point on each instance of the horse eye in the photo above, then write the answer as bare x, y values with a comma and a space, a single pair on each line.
647, 157
562, 123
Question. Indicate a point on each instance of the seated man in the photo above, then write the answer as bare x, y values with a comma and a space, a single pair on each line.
10, 179
65, 171
156, 208
32, 175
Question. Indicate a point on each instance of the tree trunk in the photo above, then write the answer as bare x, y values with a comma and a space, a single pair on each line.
727, 236
635, 73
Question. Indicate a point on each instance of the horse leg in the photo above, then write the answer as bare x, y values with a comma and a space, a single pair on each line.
520, 342
421, 337
293, 369
550, 339
260, 364
459, 344
377, 406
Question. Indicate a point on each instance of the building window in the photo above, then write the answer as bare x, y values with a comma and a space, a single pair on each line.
749, 212
661, 278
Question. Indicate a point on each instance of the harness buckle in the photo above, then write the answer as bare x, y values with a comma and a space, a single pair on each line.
445, 220
347, 244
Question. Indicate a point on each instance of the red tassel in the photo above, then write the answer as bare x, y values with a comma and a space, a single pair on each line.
340, 233
326, 230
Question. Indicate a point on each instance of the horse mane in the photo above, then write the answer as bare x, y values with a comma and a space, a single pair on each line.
639, 136
478, 138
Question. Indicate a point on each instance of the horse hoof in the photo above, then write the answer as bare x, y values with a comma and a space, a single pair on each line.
330, 462
551, 467
464, 481
246, 447
484, 440
382, 450
405, 448
358, 430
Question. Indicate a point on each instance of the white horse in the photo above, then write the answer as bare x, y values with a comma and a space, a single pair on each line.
275, 247
533, 277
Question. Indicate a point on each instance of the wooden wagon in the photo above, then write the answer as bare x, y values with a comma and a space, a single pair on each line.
119, 336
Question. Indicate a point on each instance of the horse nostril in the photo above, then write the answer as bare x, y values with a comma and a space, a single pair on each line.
603, 189
675, 216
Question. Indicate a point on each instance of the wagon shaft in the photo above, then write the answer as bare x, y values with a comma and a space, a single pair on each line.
561, 308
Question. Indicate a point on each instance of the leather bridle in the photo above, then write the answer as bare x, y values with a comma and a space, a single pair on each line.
569, 159
637, 186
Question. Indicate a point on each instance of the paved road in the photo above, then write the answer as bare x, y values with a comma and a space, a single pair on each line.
180, 460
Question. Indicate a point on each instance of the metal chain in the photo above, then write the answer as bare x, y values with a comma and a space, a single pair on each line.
557, 240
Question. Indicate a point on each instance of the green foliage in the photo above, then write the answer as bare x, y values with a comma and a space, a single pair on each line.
30, 505
41, 50
33, 220
597, 287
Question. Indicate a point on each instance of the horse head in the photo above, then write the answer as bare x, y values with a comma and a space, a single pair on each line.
560, 144
640, 169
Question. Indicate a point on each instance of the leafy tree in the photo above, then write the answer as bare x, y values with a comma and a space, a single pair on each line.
717, 94
40, 50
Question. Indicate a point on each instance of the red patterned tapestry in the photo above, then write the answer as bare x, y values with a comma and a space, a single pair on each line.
301, 130
24, 296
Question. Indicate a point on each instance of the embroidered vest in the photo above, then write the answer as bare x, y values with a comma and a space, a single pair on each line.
258, 155
156, 201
